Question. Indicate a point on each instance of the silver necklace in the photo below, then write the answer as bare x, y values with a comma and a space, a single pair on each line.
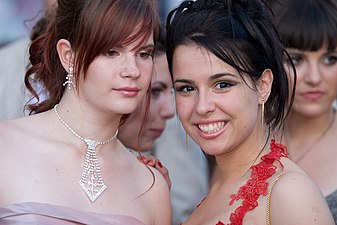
91, 180
308, 149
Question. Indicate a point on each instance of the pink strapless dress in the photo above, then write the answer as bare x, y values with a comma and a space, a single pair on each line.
30, 213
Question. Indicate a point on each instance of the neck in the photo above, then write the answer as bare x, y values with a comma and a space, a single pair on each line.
303, 133
236, 164
297, 123
88, 122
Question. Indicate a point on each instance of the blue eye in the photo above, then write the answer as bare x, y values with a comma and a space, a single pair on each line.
296, 59
222, 85
330, 60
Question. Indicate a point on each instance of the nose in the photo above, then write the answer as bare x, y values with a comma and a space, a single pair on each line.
204, 104
168, 110
130, 67
313, 74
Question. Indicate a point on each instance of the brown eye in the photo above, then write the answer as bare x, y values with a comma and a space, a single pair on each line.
185, 89
155, 92
145, 55
111, 53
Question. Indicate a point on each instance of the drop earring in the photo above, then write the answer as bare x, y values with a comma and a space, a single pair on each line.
262, 113
69, 78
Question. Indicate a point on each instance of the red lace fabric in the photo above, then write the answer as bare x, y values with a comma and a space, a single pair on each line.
257, 185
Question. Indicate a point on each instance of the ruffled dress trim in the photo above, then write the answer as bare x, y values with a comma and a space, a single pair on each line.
257, 185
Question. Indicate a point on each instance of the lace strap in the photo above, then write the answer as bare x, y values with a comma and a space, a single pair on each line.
269, 196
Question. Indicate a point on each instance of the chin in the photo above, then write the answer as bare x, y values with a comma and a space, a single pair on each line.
148, 146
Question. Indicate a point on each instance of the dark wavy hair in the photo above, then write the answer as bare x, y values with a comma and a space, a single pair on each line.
242, 34
306, 24
91, 27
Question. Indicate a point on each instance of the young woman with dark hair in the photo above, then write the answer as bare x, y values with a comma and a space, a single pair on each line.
232, 96
63, 164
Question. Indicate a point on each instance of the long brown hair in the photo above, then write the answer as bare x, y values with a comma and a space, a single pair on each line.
92, 27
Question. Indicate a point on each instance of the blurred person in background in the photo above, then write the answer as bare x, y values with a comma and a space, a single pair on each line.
309, 31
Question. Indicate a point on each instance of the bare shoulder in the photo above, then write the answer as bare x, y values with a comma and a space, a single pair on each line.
19, 135
160, 183
159, 196
9, 129
13, 150
296, 199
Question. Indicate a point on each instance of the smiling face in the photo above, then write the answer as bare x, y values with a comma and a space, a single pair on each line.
160, 109
316, 86
118, 79
215, 105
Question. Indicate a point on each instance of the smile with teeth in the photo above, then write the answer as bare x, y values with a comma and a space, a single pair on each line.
211, 128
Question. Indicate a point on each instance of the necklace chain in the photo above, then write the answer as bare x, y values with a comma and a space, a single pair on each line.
318, 139
76, 134
91, 180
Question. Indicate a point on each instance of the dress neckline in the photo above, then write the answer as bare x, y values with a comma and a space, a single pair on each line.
63, 213
258, 184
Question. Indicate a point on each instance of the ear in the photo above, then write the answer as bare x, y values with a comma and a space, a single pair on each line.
65, 53
265, 84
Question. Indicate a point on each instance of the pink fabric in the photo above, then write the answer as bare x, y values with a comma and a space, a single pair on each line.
30, 213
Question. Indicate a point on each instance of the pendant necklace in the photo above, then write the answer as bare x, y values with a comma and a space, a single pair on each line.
316, 141
91, 180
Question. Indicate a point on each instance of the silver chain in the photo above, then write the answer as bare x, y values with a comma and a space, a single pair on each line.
77, 135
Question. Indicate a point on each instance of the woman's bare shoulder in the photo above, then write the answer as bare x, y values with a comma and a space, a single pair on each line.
160, 197
296, 199
157, 193
21, 131
11, 128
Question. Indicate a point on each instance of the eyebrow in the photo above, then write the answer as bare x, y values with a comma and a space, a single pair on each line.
184, 81
148, 46
163, 85
213, 77
218, 75
331, 51
141, 47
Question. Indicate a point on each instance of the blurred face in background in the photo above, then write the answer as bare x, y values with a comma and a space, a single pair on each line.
316, 86
160, 109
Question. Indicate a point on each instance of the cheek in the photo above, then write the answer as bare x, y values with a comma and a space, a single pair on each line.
246, 110
146, 71
247, 120
181, 105
331, 77
153, 111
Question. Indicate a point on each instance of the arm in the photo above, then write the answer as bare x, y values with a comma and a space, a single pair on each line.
296, 200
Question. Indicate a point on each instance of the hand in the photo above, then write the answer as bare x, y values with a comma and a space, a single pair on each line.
152, 161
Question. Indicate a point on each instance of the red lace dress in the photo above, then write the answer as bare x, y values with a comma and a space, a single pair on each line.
257, 185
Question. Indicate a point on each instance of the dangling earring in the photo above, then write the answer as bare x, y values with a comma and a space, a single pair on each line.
262, 113
69, 78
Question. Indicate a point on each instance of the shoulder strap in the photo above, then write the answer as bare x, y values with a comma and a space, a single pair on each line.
269, 196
